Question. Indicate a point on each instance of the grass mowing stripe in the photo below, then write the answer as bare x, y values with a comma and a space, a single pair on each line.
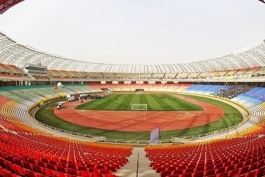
91, 104
163, 104
115, 102
176, 105
153, 104
98, 103
131, 96
182, 104
109, 102
125, 104
144, 100
136, 99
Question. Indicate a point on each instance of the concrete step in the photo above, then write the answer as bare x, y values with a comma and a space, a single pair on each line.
138, 165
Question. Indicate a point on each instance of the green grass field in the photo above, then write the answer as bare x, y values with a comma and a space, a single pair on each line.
155, 102
231, 117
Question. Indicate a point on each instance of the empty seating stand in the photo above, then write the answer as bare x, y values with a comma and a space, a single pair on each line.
25, 150
29, 154
242, 156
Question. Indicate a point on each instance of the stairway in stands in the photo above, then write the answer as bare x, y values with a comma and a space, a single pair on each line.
138, 165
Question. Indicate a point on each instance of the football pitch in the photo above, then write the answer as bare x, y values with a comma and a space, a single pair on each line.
117, 102
150, 102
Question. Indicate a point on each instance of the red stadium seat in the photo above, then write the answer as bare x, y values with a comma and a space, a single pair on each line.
6, 173
234, 172
198, 174
177, 172
220, 170
49, 172
105, 171
186, 175
209, 172
252, 174
85, 174
60, 174
2, 162
27, 165
38, 169
165, 173
111, 175
30, 173
20, 170
261, 171
73, 171
224, 174
52, 167
243, 170
61, 169
10, 166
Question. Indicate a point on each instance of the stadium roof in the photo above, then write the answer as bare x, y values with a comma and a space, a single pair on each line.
17, 54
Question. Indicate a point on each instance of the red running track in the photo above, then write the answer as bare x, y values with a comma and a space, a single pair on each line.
140, 120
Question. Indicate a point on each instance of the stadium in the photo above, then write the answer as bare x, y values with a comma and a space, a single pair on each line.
67, 117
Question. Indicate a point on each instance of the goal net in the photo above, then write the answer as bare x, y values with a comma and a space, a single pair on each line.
139, 107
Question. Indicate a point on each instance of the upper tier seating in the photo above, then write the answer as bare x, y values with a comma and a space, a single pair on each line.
12, 72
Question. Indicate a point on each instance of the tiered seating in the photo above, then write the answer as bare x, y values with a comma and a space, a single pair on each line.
53, 73
252, 97
31, 153
26, 150
256, 122
204, 89
146, 87
12, 72
243, 156
17, 98
66, 74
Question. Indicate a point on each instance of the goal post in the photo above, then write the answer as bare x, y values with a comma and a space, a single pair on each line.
139, 107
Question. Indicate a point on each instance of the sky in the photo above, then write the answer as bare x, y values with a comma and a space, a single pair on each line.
136, 31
